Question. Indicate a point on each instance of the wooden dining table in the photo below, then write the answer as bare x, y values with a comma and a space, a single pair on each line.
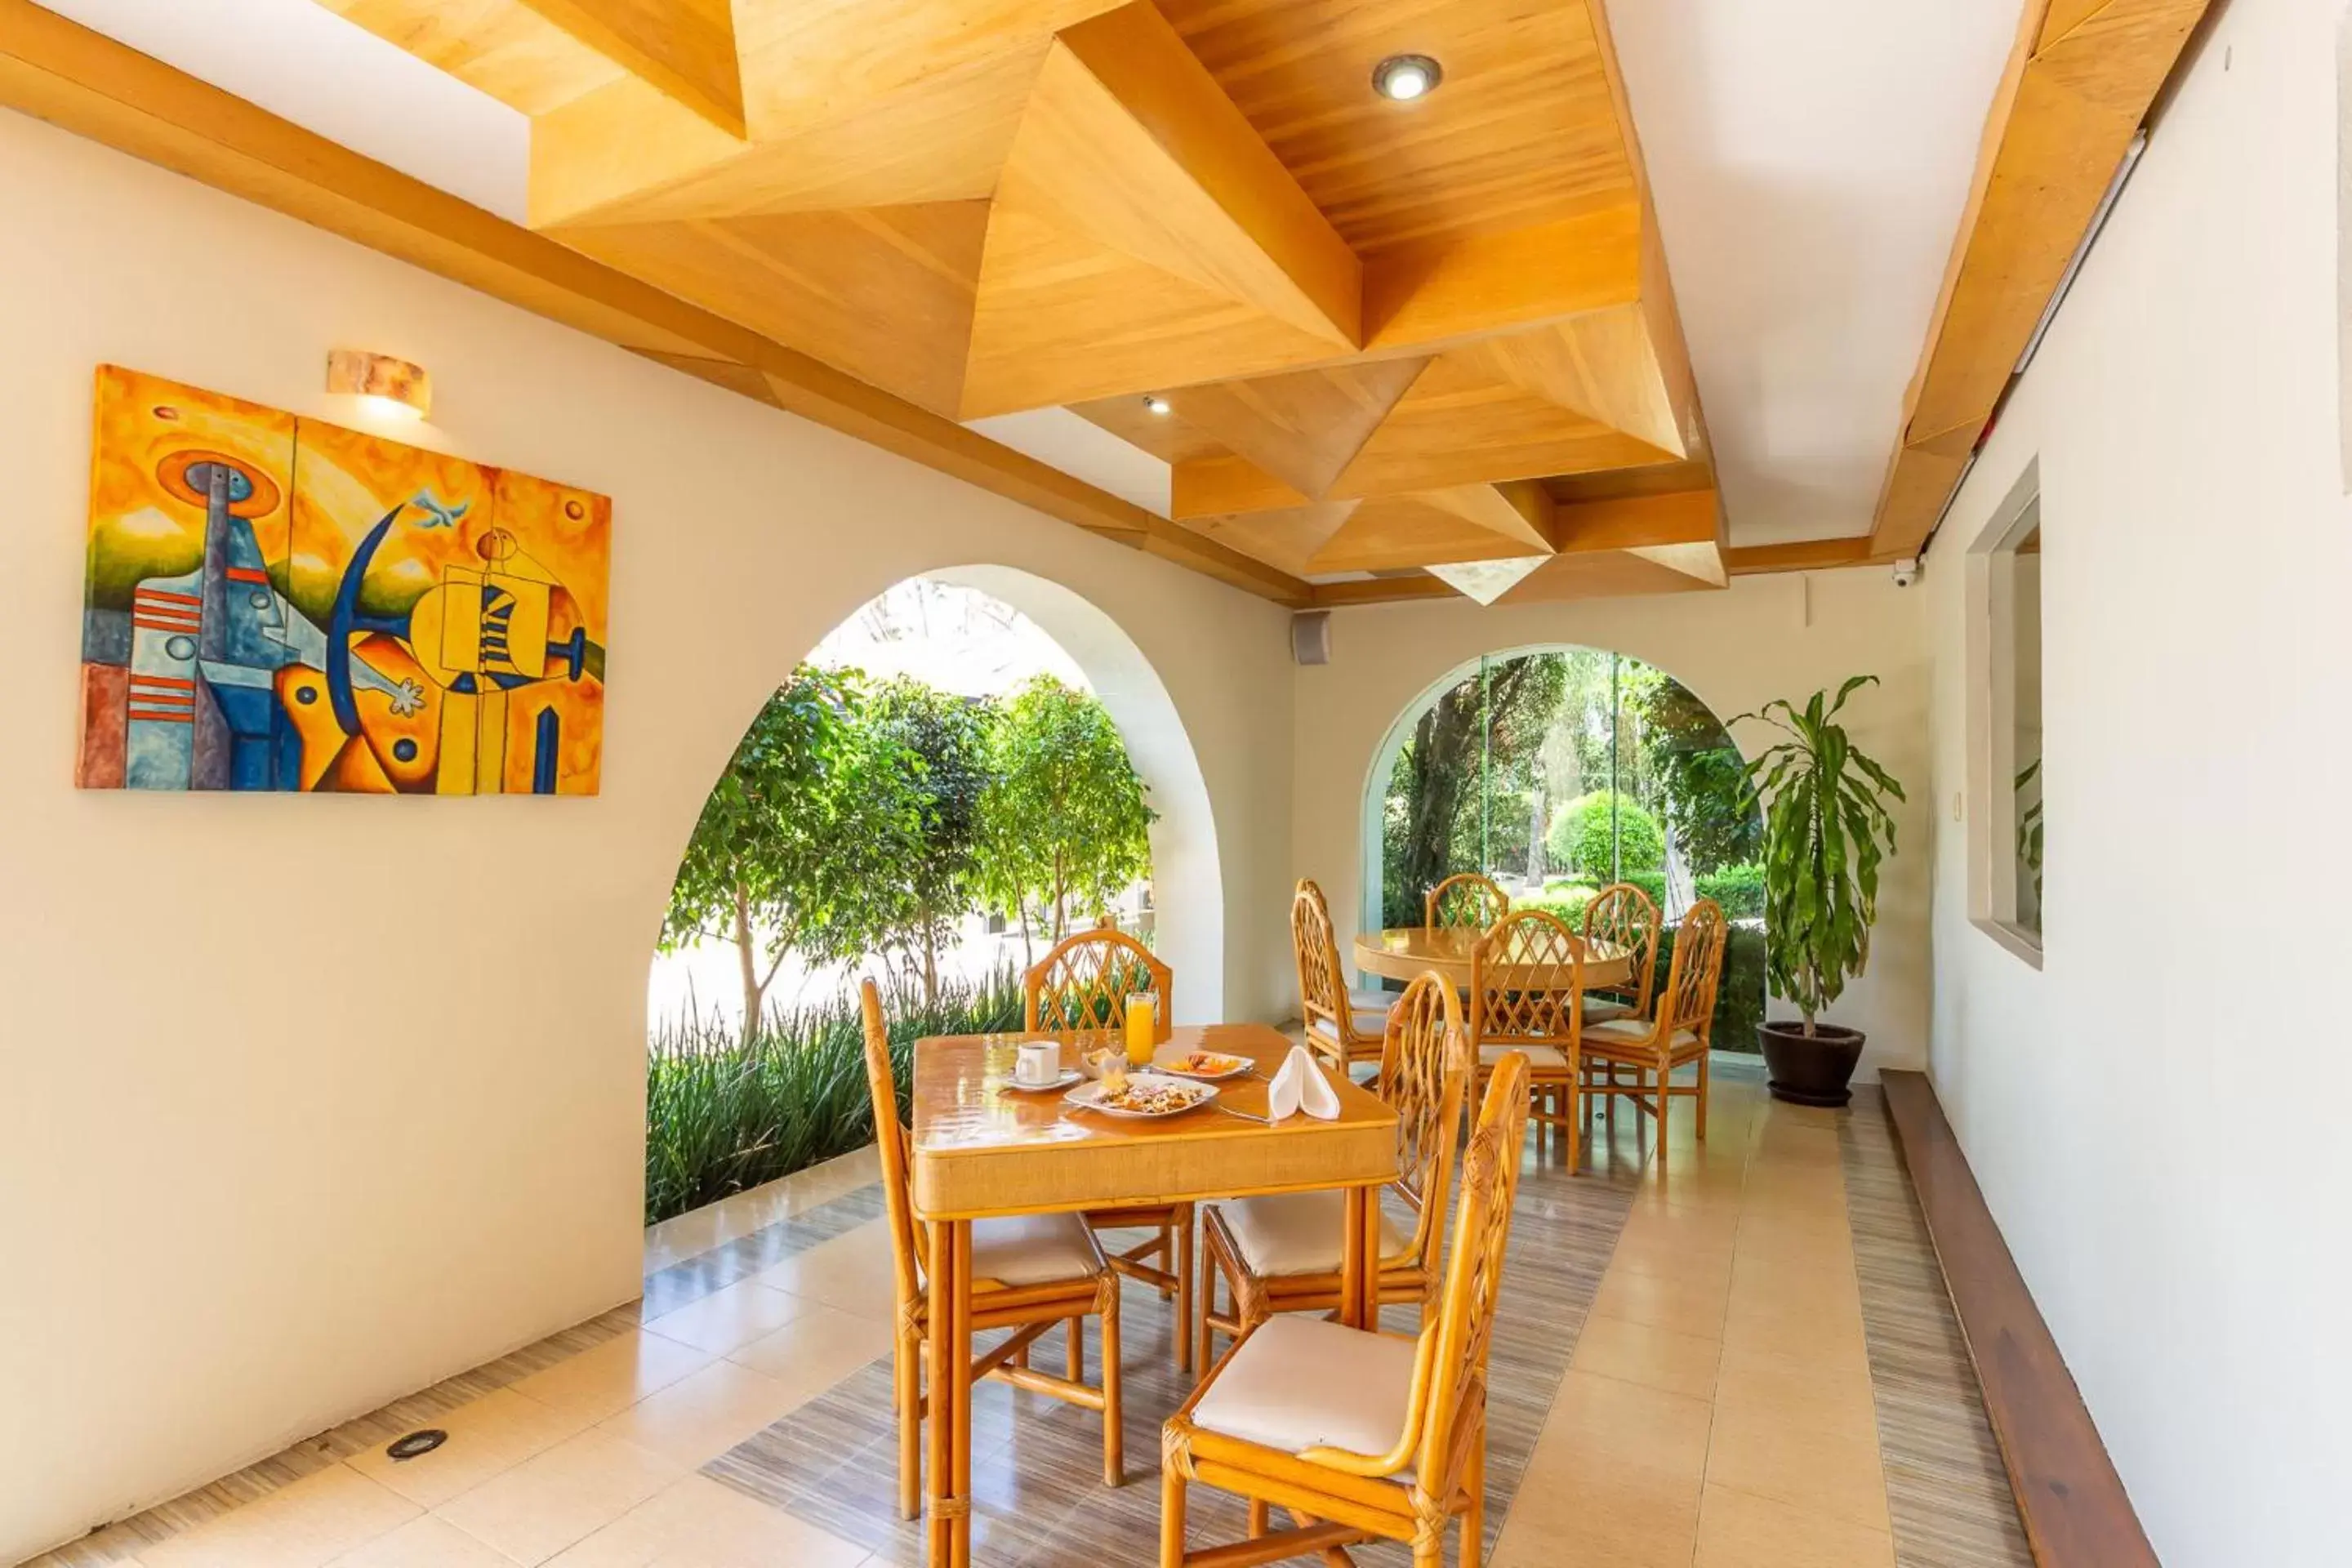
983, 1149
1405, 953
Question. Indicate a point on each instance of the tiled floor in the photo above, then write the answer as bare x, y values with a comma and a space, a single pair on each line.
1737, 1356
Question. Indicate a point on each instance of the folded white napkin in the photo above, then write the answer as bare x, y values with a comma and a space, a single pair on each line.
1299, 1085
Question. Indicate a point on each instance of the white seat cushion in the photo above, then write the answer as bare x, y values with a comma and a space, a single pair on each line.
1300, 1383
1634, 1032
1374, 1000
1601, 1009
1282, 1233
1537, 1056
1368, 1025
1032, 1249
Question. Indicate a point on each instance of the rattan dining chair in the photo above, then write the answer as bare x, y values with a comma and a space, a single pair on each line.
1082, 986
1361, 1436
1623, 916
1464, 900
1028, 1274
1526, 989
1678, 1032
1343, 1026
1281, 1252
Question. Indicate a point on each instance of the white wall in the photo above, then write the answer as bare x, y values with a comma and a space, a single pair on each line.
1764, 638
2156, 1116
276, 1142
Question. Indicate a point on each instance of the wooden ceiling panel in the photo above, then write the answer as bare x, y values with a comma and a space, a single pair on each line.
1459, 426
1303, 428
1390, 532
1599, 364
886, 293
1448, 291
1521, 133
684, 47
502, 47
1166, 436
1288, 541
1656, 479
1604, 575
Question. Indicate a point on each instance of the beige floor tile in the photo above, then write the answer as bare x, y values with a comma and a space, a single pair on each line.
730, 1319
697, 1521
301, 1525
1836, 1476
1696, 1230
1685, 1306
1654, 1251
1736, 1529
818, 1348
1635, 1427
606, 1379
690, 1235
424, 1541
852, 1272
486, 1438
1655, 1358
1827, 1301
1835, 1401
576, 1487
1607, 1526
706, 1413
1613, 1481
1825, 1340
1789, 1273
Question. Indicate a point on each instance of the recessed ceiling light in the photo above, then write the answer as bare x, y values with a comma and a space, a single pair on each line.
1406, 77
1156, 404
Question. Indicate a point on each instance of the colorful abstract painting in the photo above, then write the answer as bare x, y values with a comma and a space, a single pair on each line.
278, 603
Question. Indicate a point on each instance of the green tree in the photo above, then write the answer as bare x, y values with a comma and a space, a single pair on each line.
1581, 833
947, 736
1490, 725
803, 842
1064, 824
1700, 773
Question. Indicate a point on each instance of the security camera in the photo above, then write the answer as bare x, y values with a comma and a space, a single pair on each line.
1907, 571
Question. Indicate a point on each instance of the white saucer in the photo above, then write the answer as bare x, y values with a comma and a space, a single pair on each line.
1068, 1076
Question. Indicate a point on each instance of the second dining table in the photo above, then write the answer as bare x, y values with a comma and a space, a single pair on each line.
982, 1148
1403, 952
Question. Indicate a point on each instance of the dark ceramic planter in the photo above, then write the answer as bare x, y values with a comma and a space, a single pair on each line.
1810, 1069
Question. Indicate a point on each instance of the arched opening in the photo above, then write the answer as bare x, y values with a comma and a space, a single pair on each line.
1559, 769
901, 807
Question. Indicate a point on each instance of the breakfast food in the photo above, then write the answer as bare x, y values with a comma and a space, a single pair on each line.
1148, 1097
1206, 1064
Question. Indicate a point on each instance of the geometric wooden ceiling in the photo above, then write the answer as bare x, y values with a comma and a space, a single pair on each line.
1386, 336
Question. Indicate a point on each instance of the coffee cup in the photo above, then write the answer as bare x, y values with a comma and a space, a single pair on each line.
1040, 1062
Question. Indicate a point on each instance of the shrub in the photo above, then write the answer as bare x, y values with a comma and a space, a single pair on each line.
1740, 996
1739, 888
723, 1114
1578, 837
1568, 906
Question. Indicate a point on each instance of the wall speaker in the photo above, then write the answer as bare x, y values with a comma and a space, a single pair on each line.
1311, 636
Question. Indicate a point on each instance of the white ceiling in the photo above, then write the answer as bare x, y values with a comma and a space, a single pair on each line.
1808, 159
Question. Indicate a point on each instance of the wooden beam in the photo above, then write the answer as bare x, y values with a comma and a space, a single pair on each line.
1302, 429
1627, 523
1286, 541
2071, 1502
1382, 591
1519, 510
1435, 293
1805, 555
686, 49
1142, 234
1600, 365
59, 71
1391, 532
2079, 83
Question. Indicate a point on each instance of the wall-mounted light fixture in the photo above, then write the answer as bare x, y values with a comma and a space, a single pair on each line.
383, 384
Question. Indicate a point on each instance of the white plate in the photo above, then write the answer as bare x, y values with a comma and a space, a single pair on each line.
1242, 1064
1062, 1080
1085, 1096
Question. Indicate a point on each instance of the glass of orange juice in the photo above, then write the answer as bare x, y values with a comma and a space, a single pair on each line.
1142, 1026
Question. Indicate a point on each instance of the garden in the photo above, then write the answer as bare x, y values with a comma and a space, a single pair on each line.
863, 822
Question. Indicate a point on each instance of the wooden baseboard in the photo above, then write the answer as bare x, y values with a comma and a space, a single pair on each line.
2075, 1512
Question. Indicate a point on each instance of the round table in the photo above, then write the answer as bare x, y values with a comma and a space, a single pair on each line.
1405, 953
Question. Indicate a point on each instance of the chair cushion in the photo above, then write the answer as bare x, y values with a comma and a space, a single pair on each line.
1601, 1009
1281, 1233
1032, 1249
1634, 1032
1368, 1025
1299, 1383
1537, 1056
1374, 1000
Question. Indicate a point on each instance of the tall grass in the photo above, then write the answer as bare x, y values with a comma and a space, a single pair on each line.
723, 1113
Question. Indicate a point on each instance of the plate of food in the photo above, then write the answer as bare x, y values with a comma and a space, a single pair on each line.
1140, 1095
1208, 1066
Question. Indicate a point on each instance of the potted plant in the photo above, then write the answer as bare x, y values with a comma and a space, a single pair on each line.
1826, 829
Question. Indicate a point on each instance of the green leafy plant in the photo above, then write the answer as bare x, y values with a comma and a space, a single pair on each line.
1705, 782
2029, 830
804, 843
1826, 831
949, 737
1063, 821
1739, 888
725, 1112
1579, 836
